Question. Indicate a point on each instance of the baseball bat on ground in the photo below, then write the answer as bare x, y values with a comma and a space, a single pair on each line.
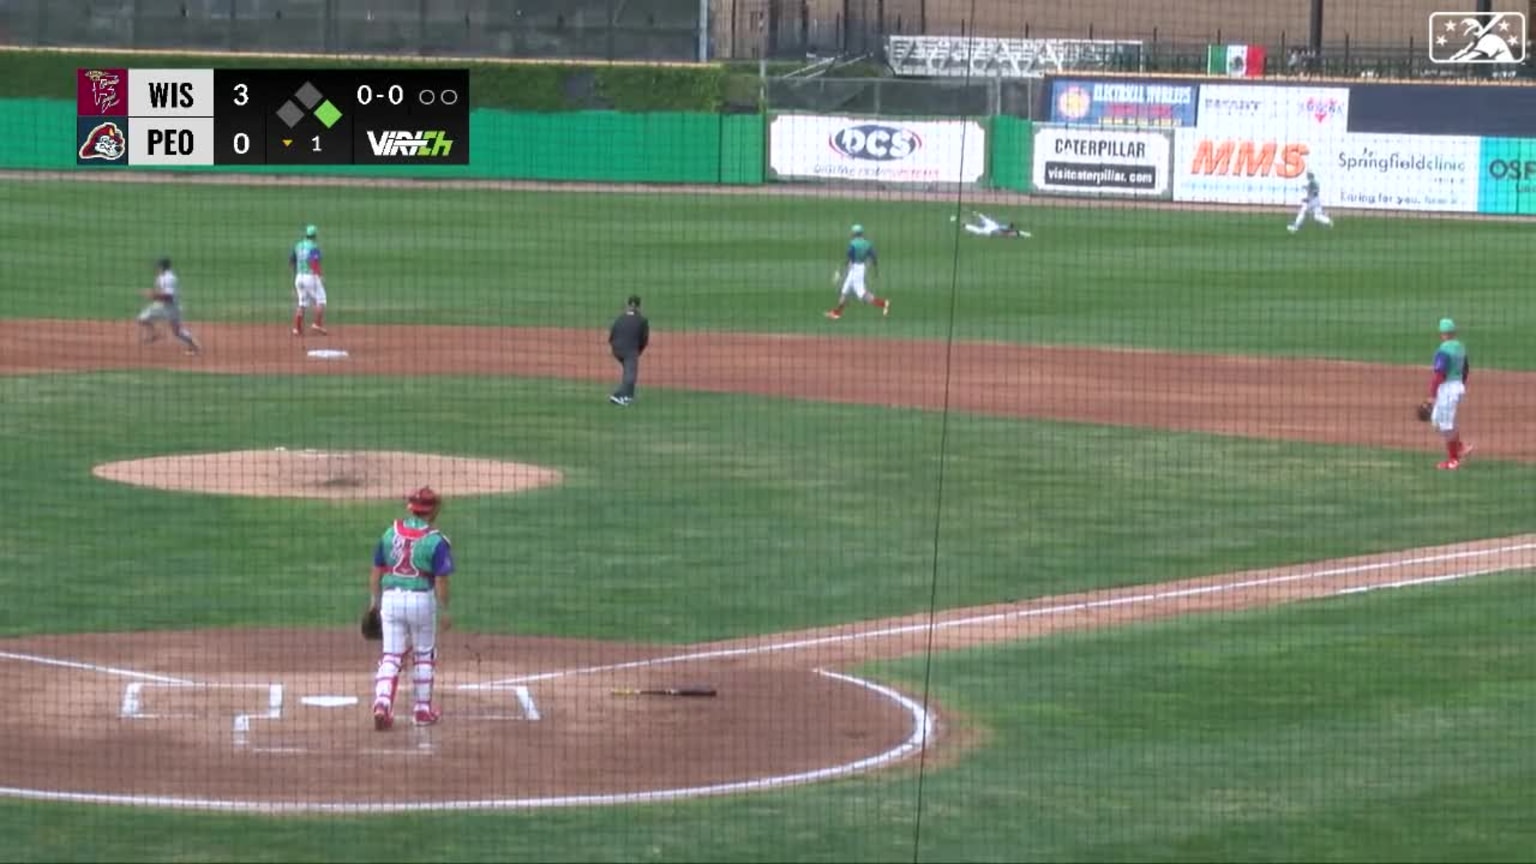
665, 691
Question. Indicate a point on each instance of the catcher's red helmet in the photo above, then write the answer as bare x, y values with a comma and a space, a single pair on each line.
424, 501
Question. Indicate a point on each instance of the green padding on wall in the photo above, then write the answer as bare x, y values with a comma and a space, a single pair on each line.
1012, 142
585, 146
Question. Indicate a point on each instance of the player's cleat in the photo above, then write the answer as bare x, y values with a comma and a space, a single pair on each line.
886, 309
382, 717
1292, 228
426, 716
317, 329
834, 314
298, 332
1449, 465
618, 400
193, 352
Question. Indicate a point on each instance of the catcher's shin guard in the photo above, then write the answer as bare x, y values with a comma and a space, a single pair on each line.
424, 672
387, 679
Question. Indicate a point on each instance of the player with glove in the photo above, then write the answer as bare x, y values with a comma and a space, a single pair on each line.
408, 606
1447, 386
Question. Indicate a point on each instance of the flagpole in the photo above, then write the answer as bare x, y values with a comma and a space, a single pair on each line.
1315, 34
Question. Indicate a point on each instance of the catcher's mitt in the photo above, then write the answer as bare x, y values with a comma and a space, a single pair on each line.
373, 625
1425, 410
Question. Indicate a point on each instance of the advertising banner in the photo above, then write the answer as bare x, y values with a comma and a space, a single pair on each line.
1428, 173
1122, 103
1000, 57
1507, 181
812, 146
1287, 112
1104, 163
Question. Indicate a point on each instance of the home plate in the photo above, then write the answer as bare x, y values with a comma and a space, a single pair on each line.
327, 353
329, 701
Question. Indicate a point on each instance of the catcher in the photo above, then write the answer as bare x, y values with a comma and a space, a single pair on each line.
1447, 386
409, 606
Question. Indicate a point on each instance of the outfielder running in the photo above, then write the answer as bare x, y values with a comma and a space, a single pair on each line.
1447, 386
1311, 205
861, 258
409, 587
165, 305
308, 281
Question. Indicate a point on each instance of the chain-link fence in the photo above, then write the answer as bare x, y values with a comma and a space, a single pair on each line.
597, 29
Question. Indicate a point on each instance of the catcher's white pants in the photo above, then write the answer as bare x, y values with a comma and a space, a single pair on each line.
310, 290
1447, 400
410, 623
853, 283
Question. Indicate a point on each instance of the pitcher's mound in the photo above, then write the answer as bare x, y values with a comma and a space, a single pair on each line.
349, 474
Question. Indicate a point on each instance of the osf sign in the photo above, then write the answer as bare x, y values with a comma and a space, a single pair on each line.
1244, 158
876, 141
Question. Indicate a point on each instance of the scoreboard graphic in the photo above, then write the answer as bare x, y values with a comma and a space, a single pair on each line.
206, 117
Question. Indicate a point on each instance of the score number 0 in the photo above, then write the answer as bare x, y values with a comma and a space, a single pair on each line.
242, 141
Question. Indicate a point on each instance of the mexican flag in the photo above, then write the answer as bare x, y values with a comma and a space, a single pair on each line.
1236, 61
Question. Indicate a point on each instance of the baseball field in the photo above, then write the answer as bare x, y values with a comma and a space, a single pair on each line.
1120, 542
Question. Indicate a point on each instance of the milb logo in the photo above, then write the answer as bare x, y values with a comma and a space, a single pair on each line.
421, 145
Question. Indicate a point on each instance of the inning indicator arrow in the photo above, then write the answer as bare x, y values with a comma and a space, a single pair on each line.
287, 141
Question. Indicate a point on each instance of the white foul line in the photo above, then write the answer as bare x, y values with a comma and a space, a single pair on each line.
1080, 606
1427, 580
92, 667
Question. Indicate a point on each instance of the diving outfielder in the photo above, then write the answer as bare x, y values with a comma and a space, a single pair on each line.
986, 226
409, 587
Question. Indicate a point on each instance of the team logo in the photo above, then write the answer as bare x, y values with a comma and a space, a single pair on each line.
101, 92
106, 142
1468, 37
1074, 103
423, 145
875, 142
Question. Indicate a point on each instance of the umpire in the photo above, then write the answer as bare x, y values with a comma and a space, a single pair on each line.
628, 337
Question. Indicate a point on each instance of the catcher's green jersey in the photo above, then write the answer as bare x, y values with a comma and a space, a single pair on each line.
413, 554
860, 251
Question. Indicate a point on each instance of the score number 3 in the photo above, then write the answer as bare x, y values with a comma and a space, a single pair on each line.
242, 142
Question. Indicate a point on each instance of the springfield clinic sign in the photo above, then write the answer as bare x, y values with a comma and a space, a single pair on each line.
812, 146
1122, 103
1091, 162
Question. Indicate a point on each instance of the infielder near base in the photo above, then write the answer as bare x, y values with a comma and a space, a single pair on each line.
409, 587
308, 281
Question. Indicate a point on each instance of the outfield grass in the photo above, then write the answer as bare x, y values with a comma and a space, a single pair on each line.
1383, 727
701, 517
1371, 289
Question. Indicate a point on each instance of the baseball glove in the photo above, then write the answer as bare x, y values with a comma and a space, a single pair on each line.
372, 625
1425, 410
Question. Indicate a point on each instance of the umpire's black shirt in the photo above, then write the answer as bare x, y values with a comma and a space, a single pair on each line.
629, 334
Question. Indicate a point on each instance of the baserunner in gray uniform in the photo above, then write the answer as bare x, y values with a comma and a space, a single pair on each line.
165, 305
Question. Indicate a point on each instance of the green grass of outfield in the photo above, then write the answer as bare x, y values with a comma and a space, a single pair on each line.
1372, 288
1383, 727
693, 517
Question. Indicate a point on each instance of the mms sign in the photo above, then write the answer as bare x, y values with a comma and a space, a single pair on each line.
1507, 169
